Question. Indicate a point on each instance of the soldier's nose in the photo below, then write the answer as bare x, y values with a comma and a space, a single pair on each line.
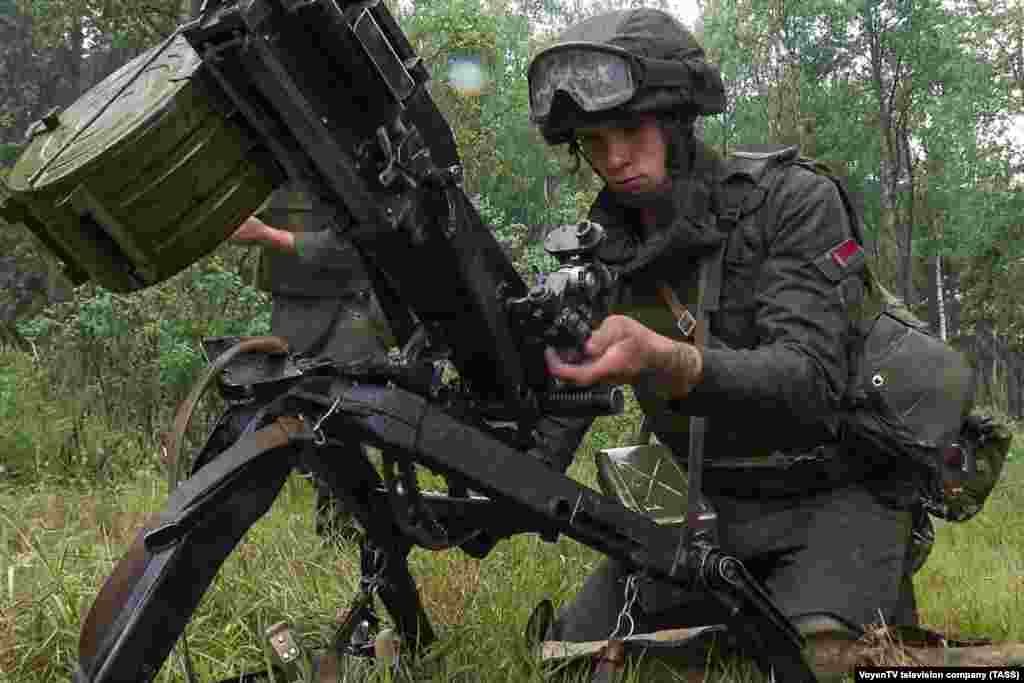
617, 153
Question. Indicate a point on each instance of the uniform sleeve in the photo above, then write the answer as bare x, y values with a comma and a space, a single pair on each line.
797, 372
323, 247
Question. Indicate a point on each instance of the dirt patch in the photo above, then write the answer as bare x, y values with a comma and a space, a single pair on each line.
10, 659
124, 526
8, 653
445, 593
55, 513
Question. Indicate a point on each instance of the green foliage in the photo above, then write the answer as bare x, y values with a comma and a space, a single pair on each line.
955, 587
57, 544
527, 255
116, 23
909, 99
56, 438
114, 366
504, 157
8, 389
8, 152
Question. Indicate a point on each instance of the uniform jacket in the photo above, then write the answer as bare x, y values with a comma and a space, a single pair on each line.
777, 358
324, 265
322, 301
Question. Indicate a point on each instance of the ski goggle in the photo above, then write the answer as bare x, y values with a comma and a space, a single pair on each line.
597, 77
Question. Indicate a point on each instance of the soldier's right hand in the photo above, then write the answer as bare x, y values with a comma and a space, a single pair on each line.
622, 350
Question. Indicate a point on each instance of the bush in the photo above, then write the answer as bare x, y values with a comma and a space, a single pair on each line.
48, 438
112, 368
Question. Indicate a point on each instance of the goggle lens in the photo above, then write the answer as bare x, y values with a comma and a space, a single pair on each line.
596, 80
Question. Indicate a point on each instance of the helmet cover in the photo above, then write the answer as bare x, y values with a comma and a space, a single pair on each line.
649, 34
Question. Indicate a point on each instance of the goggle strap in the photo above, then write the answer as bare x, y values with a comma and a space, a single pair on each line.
663, 73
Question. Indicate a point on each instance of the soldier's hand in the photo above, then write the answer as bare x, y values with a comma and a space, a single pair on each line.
255, 231
622, 351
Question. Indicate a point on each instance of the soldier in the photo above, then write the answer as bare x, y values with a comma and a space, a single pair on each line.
623, 90
322, 300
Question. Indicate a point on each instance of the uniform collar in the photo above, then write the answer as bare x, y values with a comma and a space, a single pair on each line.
685, 226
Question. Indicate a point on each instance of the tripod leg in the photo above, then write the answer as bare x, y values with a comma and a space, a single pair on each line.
389, 571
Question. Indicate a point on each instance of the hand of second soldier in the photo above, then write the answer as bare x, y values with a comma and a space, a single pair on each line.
622, 351
253, 230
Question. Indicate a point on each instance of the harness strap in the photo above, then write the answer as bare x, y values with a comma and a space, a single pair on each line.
695, 329
685, 321
708, 289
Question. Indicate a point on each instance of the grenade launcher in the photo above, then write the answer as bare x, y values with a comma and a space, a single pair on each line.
335, 95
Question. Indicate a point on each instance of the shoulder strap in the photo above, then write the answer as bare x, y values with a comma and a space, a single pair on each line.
751, 173
856, 226
747, 180
693, 325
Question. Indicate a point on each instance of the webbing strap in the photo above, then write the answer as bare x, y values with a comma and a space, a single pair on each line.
708, 290
694, 326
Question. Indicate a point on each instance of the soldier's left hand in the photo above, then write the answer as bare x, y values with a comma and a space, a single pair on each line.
254, 231
622, 351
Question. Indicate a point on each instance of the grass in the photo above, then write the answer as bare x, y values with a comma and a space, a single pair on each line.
59, 541
973, 583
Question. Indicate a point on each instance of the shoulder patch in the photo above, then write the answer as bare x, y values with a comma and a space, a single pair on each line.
841, 260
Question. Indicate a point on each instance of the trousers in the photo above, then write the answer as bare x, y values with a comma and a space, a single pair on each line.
840, 553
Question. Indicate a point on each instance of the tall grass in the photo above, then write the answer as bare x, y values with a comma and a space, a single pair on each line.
60, 537
973, 583
58, 545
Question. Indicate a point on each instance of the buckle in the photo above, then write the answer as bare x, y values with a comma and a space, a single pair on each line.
687, 324
732, 215
288, 652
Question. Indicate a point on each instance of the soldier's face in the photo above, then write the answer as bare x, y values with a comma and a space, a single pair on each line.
629, 155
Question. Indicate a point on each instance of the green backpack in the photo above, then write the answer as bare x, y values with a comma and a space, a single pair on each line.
911, 397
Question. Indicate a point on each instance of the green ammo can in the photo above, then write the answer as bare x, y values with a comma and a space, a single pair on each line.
143, 175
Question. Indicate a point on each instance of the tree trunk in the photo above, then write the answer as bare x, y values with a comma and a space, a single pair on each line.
984, 361
73, 64
905, 243
190, 9
951, 297
938, 299
888, 170
1015, 386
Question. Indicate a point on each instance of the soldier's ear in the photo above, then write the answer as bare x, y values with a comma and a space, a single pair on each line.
677, 127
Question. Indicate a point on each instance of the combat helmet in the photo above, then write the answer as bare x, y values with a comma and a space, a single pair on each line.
622, 62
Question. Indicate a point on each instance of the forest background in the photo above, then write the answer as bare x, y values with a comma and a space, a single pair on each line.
913, 102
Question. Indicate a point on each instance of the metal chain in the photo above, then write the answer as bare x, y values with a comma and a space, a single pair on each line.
631, 592
318, 436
